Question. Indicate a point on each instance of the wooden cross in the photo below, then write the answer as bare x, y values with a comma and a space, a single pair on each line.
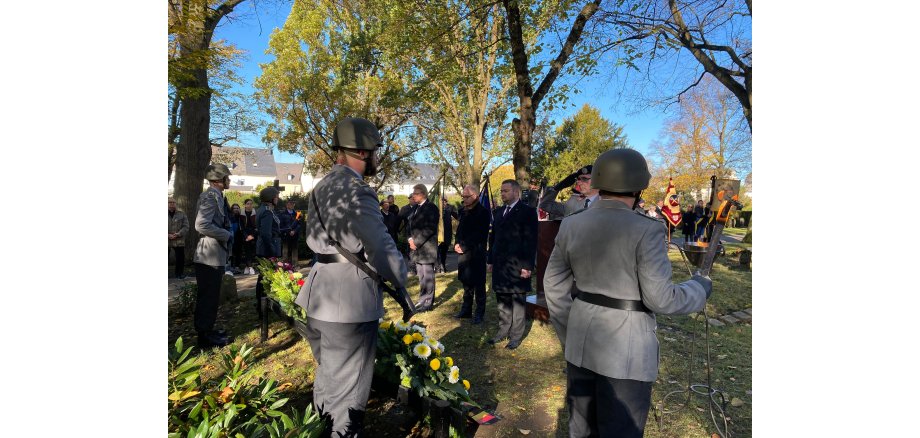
278, 186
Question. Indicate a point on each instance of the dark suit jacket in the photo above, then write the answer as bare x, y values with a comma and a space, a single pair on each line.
512, 247
391, 220
472, 236
423, 228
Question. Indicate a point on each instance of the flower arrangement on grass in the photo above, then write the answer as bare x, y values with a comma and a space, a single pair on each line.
421, 361
282, 283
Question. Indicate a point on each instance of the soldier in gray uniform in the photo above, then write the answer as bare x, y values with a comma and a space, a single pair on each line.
342, 302
213, 224
616, 258
586, 195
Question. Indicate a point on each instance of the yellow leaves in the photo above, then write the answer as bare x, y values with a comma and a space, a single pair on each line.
435, 364
386, 325
285, 386
182, 395
557, 388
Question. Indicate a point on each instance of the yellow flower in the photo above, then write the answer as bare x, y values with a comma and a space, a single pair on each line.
386, 325
466, 384
454, 375
422, 351
449, 360
435, 364
417, 336
407, 339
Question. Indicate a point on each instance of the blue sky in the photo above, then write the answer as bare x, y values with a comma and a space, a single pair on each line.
252, 31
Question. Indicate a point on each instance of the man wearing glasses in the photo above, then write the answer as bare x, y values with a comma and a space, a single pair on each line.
583, 197
423, 239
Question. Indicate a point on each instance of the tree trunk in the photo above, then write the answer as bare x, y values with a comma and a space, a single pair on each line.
193, 154
528, 99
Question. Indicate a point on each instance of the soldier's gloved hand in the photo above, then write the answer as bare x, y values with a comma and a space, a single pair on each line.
567, 181
706, 282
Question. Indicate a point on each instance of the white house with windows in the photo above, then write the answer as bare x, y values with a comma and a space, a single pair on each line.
252, 167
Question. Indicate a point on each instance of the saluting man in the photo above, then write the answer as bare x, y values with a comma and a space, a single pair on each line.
343, 304
581, 200
615, 257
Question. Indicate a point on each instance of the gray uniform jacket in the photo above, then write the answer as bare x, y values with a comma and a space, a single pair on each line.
611, 250
341, 292
213, 223
558, 210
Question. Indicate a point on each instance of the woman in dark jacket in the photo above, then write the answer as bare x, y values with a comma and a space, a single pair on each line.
249, 234
236, 253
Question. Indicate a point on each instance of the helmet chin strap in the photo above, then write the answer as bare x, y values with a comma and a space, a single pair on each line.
638, 197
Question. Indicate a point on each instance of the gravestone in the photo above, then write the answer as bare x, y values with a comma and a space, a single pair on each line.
546, 240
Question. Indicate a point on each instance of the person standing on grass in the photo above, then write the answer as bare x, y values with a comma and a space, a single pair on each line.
268, 240
613, 257
249, 234
472, 236
178, 229
511, 260
343, 305
423, 240
213, 224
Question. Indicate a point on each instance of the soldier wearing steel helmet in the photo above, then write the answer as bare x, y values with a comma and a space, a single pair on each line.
268, 235
614, 256
344, 302
213, 224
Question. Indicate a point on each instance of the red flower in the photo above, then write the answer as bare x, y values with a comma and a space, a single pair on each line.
300, 282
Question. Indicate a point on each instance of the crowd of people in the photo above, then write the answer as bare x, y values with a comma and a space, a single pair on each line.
606, 278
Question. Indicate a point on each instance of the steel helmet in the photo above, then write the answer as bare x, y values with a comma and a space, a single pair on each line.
620, 171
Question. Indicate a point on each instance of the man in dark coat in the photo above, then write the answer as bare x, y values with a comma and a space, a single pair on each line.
423, 239
448, 213
390, 219
405, 224
472, 235
512, 257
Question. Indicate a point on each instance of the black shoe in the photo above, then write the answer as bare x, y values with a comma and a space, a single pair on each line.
422, 309
463, 315
494, 341
477, 320
212, 340
513, 344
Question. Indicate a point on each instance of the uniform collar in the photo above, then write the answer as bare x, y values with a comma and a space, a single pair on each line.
340, 167
609, 203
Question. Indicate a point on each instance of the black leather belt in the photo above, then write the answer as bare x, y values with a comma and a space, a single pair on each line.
614, 303
336, 258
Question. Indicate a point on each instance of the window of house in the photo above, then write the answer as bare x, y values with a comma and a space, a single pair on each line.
290, 177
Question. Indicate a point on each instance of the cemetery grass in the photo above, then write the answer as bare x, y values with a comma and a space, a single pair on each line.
526, 386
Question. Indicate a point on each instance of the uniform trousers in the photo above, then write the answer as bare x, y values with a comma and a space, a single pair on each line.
511, 316
425, 283
601, 406
208, 299
179, 253
344, 353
